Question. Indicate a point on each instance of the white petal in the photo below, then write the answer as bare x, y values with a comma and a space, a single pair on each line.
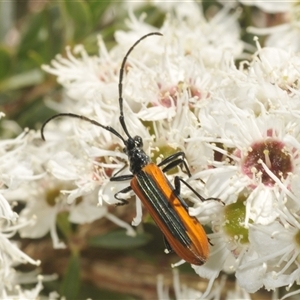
86, 212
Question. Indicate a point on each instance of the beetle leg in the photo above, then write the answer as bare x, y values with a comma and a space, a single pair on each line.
122, 201
119, 171
173, 161
177, 181
122, 177
168, 246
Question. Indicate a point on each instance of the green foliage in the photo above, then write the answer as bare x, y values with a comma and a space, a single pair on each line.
42, 35
76, 13
119, 240
62, 221
71, 282
235, 214
89, 292
5, 62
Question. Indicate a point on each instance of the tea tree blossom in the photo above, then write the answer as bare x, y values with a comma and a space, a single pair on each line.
16, 169
252, 149
184, 292
70, 189
18, 293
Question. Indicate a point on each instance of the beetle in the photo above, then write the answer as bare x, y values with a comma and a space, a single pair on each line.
183, 233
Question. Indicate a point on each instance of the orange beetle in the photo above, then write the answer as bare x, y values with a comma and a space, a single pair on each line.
183, 233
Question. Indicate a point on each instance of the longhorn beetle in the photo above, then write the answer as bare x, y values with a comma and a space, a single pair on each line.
182, 233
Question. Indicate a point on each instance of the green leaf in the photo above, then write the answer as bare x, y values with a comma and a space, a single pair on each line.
42, 33
235, 214
5, 62
63, 223
71, 282
119, 240
34, 36
89, 291
29, 78
80, 16
97, 9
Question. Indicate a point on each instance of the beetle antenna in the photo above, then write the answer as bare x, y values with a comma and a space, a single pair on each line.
108, 128
121, 118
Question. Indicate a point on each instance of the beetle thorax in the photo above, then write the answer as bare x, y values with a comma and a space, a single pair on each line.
136, 155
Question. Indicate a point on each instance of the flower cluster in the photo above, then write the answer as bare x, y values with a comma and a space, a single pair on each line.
238, 128
238, 125
17, 168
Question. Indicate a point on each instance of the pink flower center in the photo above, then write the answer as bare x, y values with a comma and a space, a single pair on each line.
272, 152
166, 96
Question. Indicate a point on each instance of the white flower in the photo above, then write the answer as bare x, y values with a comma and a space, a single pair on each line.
17, 292
85, 78
183, 291
10, 253
15, 163
42, 207
48, 201
6, 211
277, 67
272, 258
18, 167
10, 257
86, 212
